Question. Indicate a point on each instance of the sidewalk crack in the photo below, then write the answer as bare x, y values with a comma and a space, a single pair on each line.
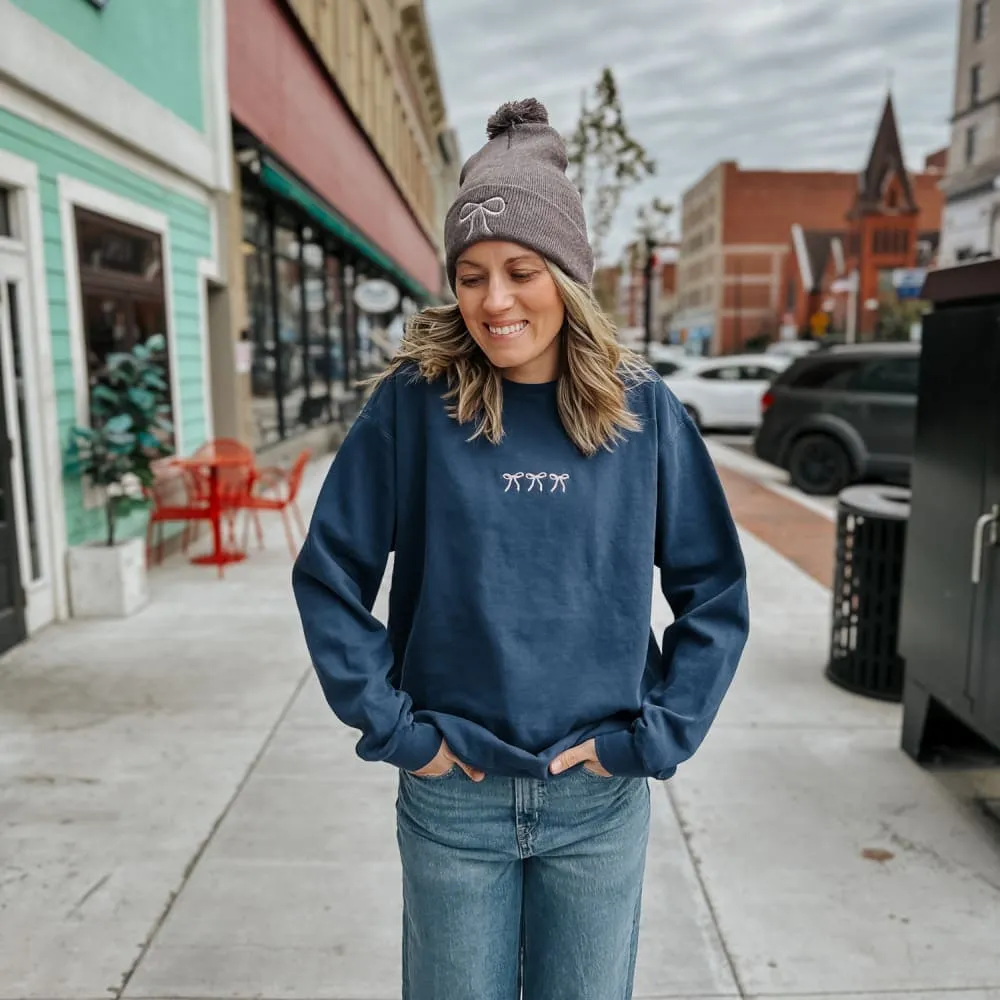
696, 867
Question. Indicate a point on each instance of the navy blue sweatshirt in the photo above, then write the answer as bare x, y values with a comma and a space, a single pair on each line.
519, 612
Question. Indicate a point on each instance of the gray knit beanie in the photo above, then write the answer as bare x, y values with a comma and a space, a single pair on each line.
516, 189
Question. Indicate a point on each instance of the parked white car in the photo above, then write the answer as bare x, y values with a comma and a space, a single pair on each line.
666, 359
725, 393
793, 348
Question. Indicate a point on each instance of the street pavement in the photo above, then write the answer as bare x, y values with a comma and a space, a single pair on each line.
182, 817
736, 451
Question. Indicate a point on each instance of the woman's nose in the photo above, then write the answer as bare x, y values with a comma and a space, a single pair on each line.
498, 297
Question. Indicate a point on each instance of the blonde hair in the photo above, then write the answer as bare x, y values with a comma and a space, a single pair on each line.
596, 370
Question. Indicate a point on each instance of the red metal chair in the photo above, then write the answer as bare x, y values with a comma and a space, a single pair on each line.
279, 490
174, 497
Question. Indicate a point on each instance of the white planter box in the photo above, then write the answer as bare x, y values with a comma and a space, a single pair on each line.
108, 581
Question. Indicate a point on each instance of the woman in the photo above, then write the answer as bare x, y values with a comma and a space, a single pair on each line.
529, 474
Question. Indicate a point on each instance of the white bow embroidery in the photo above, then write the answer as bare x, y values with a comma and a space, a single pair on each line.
535, 478
477, 211
558, 480
513, 479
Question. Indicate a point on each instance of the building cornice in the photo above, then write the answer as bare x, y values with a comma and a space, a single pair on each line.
985, 102
971, 180
419, 50
294, 18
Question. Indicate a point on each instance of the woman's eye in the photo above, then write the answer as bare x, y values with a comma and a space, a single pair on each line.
469, 282
523, 275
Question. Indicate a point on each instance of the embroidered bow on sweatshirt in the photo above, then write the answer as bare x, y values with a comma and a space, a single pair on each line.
519, 618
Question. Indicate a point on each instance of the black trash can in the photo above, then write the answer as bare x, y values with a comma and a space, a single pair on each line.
871, 542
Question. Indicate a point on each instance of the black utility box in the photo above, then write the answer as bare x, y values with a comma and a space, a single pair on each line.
950, 615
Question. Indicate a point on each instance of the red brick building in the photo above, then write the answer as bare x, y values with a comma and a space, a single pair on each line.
892, 223
734, 245
738, 259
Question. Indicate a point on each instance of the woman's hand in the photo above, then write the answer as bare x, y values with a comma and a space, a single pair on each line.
444, 760
584, 753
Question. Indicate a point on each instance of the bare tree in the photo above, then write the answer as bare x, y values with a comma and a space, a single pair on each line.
604, 159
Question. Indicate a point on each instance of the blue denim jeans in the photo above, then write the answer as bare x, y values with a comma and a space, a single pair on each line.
518, 887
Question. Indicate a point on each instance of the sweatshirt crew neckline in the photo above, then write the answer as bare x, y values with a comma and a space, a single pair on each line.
512, 388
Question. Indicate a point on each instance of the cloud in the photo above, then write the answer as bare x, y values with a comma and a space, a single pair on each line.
770, 83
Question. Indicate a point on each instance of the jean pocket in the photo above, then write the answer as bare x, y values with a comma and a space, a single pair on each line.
593, 774
434, 777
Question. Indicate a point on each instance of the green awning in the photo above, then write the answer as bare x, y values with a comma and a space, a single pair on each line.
284, 184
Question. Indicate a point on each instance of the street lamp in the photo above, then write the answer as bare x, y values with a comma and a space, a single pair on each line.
652, 230
648, 276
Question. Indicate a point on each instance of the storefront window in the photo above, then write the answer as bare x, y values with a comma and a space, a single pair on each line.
315, 406
351, 326
293, 384
365, 348
335, 324
376, 331
264, 399
121, 286
311, 343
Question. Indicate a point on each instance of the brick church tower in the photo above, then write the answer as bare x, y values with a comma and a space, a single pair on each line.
882, 222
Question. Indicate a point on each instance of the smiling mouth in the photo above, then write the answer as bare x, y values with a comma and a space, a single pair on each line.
510, 330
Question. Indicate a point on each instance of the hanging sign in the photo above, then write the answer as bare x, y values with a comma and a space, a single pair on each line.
376, 296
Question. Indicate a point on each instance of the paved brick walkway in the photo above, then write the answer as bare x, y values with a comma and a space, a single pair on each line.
799, 534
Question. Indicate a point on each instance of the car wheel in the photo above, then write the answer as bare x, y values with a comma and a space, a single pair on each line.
694, 415
819, 465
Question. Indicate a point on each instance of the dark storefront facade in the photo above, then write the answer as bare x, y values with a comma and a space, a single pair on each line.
318, 217
307, 343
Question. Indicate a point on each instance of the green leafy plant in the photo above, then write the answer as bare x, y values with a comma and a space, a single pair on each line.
896, 318
129, 429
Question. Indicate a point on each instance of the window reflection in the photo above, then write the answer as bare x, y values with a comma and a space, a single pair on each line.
310, 342
121, 290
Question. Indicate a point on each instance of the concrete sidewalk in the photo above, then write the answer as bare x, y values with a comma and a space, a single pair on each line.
181, 816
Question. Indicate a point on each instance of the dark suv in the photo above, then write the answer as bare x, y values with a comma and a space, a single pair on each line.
843, 414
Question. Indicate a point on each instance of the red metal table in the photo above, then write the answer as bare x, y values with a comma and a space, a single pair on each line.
214, 463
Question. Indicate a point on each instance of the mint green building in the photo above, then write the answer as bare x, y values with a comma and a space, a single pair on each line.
115, 158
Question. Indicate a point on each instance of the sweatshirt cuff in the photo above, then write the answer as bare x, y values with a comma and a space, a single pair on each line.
619, 755
417, 747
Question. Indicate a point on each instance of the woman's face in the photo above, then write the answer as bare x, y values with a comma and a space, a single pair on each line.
512, 308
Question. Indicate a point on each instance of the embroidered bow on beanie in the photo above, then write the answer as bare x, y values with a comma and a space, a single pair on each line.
515, 188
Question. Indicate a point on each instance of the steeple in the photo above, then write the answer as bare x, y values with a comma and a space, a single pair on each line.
885, 162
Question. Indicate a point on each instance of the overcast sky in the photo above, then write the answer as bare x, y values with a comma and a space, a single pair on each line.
770, 83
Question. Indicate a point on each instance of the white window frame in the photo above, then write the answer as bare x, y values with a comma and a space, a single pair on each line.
74, 194
45, 454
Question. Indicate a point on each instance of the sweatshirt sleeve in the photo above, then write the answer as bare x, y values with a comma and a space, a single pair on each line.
703, 576
336, 579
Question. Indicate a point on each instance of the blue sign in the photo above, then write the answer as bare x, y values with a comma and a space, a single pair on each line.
908, 281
